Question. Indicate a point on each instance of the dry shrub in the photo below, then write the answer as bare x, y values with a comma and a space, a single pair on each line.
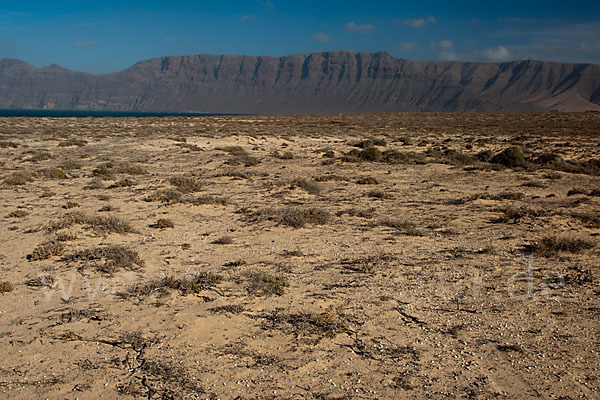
6, 144
552, 245
264, 284
114, 257
167, 196
72, 142
295, 217
322, 325
228, 309
223, 240
406, 227
163, 223
310, 187
239, 156
53, 173
187, 285
19, 178
46, 250
17, 214
6, 287
42, 280
358, 212
186, 184
367, 180
393, 156
110, 169
122, 183
208, 199
107, 224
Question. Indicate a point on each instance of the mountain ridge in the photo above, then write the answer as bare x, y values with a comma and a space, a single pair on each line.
324, 82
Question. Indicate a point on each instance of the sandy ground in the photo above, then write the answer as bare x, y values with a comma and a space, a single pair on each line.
272, 258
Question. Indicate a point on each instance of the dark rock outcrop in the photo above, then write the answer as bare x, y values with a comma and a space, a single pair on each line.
316, 83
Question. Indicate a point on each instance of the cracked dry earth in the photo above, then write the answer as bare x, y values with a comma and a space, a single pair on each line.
376, 256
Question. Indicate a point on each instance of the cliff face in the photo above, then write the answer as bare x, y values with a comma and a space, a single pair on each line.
320, 82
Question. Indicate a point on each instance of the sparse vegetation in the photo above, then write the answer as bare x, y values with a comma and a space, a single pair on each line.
296, 217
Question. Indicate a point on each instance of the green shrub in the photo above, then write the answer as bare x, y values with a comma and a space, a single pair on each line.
511, 157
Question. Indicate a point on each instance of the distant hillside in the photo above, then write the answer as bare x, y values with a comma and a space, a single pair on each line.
315, 83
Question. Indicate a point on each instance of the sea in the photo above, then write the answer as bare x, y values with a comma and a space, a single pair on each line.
99, 114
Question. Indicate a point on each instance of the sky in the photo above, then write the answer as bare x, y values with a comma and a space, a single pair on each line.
108, 36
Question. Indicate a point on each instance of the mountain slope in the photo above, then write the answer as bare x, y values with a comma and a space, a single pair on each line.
319, 82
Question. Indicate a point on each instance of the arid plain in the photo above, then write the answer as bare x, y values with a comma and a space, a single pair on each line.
374, 256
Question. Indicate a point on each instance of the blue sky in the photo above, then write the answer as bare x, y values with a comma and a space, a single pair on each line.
106, 36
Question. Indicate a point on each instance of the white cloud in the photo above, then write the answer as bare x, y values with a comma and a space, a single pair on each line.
500, 53
407, 46
367, 29
442, 44
86, 43
321, 37
245, 18
418, 22
448, 56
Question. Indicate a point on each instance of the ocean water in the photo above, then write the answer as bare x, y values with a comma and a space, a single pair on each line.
97, 114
